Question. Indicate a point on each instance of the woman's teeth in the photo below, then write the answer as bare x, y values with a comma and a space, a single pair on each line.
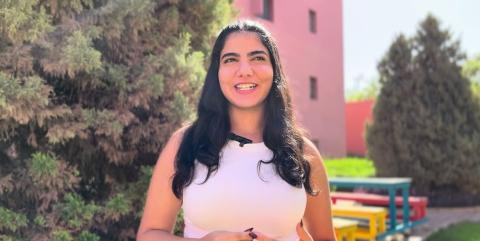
245, 86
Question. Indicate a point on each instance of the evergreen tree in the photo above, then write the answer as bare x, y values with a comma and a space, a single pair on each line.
426, 123
89, 92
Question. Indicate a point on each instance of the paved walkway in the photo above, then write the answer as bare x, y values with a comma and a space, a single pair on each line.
440, 218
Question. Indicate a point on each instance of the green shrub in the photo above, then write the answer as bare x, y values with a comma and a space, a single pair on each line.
10, 220
90, 91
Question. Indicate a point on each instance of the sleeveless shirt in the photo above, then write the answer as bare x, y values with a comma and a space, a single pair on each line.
237, 196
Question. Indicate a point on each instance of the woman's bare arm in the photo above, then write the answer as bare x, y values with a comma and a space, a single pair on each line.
161, 205
318, 214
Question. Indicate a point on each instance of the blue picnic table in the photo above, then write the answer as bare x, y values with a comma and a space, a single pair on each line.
392, 185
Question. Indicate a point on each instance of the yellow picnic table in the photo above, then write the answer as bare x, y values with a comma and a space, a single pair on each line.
375, 217
345, 229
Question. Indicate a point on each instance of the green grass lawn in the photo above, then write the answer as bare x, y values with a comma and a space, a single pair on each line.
464, 231
350, 167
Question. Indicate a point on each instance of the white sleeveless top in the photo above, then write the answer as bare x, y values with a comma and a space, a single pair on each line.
235, 198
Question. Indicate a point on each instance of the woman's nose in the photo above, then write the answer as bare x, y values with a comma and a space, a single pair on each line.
245, 69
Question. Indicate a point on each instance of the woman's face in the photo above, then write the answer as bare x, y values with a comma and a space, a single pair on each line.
245, 72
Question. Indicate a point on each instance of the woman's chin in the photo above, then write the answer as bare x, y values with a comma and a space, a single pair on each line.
247, 105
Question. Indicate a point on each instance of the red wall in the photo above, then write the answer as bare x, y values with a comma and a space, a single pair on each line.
304, 54
357, 114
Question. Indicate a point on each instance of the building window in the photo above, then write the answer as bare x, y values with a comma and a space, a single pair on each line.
267, 10
313, 88
312, 19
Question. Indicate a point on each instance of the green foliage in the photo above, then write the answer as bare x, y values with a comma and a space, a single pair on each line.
426, 122
137, 191
75, 212
471, 70
75, 5
182, 109
464, 231
40, 221
472, 67
43, 165
369, 92
190, 63
87, 236
206, 17
18, 93
117, 207
14, 90
62, 235
10, 238
79, 55
179, 224
10, 220
21, 20
89, 94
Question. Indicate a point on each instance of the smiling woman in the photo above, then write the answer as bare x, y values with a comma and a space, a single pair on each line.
242, 170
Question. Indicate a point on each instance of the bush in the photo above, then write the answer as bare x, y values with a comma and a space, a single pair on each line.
89, 93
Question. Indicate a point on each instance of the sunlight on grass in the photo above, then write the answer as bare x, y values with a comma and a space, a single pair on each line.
464, 231
350, 167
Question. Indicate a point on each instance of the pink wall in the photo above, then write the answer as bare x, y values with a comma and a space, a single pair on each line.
357, 115
306, 54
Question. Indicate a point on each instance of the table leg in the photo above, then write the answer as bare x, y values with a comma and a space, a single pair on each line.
406, 206
373, 226
392, 208
350, 236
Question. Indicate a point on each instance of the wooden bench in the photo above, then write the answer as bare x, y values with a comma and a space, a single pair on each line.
345, 229
418, 205
372, 220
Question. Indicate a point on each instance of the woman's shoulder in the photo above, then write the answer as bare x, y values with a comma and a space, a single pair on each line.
173, 143
178, 134
310, 149
318, 171
312, 155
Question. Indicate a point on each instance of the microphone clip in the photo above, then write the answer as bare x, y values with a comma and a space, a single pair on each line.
241, 139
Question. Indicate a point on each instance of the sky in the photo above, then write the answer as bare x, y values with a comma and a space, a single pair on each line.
370, 26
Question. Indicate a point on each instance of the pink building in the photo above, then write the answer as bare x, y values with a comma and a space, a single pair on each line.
358, 114
309, 36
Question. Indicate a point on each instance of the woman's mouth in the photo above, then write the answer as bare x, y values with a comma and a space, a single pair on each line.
245, 88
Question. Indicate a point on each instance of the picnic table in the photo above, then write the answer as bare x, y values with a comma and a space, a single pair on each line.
392, 185
345, 229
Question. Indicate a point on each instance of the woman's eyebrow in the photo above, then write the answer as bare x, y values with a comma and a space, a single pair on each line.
257, 52
230, 54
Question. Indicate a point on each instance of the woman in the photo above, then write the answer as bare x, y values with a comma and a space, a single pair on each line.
242, 170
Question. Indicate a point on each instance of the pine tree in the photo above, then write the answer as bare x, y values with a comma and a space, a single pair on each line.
89, 92
426, 123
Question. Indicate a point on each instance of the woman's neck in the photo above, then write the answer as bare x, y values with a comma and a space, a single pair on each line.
247, 123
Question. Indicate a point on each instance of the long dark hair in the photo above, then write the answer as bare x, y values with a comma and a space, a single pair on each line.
206, 136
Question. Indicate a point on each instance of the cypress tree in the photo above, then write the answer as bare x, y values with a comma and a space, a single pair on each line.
426, 123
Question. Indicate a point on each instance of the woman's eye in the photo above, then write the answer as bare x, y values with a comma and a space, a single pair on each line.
260, 58
229, 60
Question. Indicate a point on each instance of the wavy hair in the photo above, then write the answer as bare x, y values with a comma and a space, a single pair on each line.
206, 136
